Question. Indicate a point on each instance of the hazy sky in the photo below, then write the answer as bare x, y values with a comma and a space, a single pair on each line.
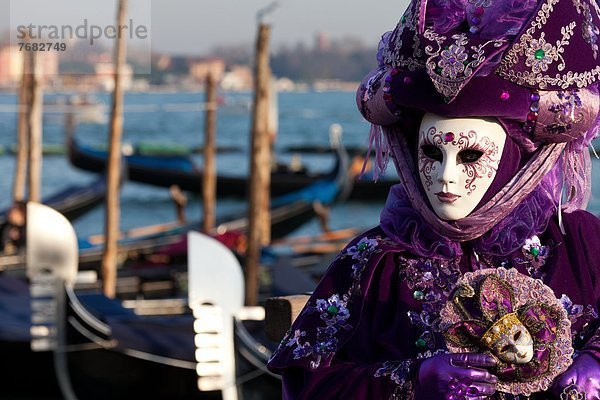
196, 26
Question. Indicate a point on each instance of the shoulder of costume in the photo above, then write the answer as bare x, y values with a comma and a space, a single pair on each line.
335, 307
580, 223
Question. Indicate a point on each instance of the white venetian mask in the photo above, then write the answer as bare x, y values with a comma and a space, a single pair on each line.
515, 346
458, 159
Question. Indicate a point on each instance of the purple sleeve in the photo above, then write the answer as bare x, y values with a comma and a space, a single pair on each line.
593, 346
390, 380
330, 351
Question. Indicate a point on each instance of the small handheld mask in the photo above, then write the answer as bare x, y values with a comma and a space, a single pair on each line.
509, 340
515, 318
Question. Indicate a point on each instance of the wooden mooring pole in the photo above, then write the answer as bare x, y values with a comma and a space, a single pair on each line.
35, 128
18, 191
260, 167
209, 177
113, 212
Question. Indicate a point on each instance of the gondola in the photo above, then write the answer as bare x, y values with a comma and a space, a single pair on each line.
165, 171
74, 200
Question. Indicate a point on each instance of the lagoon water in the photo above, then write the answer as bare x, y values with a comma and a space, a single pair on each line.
159, 117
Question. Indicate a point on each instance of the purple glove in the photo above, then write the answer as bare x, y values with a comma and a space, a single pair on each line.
458, 376
582, 377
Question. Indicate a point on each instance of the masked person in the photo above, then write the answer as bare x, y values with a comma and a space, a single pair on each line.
481, 280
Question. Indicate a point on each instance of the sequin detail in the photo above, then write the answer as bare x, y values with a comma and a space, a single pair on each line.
399, 372
589, 31
567, 112
333, 311
434, 280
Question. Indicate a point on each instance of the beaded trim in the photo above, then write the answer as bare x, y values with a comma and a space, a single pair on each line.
387, 92
533, 114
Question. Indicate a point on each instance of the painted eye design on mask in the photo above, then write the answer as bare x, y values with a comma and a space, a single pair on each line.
517, 336
468, 156
432, 152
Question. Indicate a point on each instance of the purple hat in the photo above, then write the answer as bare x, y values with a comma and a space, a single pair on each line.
532, 64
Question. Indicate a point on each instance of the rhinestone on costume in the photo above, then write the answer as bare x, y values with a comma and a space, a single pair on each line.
418, 295
421, 343
448, 137
407, 80
540, 54
478, 10
504, 95
532, 116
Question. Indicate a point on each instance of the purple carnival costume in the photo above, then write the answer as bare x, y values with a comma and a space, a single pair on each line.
502, 303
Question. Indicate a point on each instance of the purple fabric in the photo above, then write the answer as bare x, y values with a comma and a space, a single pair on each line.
376, 347
503, 19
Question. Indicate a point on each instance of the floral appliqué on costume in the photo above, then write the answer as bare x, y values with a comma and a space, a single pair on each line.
535, 255
577, 311
332, 311
431, 281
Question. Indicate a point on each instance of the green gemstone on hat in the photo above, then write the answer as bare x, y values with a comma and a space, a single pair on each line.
418, 295
403, 19
332, 310
539, 54
362, 246
421, 343
534, 251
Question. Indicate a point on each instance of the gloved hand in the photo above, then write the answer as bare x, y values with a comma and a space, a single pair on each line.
583, 376
456, 377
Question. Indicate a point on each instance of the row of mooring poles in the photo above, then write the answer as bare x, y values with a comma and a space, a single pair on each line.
260, 162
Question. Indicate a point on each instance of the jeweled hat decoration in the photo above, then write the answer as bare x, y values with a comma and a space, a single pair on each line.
515, 318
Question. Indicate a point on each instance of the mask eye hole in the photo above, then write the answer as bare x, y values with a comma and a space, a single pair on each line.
432, 152
468, 156
517, 335
504, 349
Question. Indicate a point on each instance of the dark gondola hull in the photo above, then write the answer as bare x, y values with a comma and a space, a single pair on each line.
190, 179
151, 370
